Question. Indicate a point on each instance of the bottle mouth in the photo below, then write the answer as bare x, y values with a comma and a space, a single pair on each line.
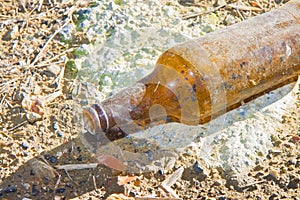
95, 119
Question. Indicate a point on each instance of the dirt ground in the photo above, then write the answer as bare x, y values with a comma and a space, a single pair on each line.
38, 133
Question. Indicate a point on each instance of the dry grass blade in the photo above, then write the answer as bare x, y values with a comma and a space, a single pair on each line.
242, 7
77, 166
203, 13
52, 96
47, 43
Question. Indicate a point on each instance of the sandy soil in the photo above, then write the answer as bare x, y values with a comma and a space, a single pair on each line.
38, 133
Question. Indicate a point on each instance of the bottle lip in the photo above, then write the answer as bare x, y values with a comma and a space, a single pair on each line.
102, 116
92, 120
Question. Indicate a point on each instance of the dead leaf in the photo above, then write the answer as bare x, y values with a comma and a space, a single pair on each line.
122, 180
111, 162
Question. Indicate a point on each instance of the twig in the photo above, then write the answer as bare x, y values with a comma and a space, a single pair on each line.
40, 5
46, 62
17, 126
60, 77
8, 136
237, 7
3, 98
251, 184
69, 12
241, 7
205, 12
77, 166
52, 96
240, 14
16, 20
56, 172
10, 106
95, 184
68, 175
193, 4
50, 39
58, 179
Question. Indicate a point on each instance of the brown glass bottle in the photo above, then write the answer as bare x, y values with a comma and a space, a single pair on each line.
199, 80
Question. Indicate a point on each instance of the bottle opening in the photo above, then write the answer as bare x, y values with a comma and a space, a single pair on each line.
90, 120
95, 119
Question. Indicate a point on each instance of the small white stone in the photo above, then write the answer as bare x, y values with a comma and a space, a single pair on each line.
33, 117
26, 187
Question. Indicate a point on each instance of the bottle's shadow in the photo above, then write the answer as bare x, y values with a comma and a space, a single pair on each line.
40, 179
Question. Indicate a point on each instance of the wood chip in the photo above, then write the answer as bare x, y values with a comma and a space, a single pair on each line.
77, 166
169, 181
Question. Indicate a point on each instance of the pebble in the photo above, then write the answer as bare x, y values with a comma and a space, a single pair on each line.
60, 190
258, 168
52, 70
26, 186
292, 161
273, 162
66, 34
42, 171
53, 159
289, 145
275, 152
55, 125
297, 164
217, 183
294, 183
79, 158
34, 190
18, 95
291, 168
295, 139
274, 174
197, 168
10, 189
33, 117
37, 90
59, 154
59, 134
11, 33
68, 185
25, 145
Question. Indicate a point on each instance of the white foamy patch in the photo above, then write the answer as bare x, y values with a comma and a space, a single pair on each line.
236, 144
243, 143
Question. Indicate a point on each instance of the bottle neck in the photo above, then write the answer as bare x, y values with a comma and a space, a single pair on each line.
172, 92
147, 103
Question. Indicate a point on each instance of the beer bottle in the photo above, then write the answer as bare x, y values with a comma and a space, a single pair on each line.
199, 80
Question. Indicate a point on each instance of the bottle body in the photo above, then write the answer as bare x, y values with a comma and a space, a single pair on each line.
199, 80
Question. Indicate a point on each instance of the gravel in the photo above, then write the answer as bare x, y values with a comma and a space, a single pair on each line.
252, 154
